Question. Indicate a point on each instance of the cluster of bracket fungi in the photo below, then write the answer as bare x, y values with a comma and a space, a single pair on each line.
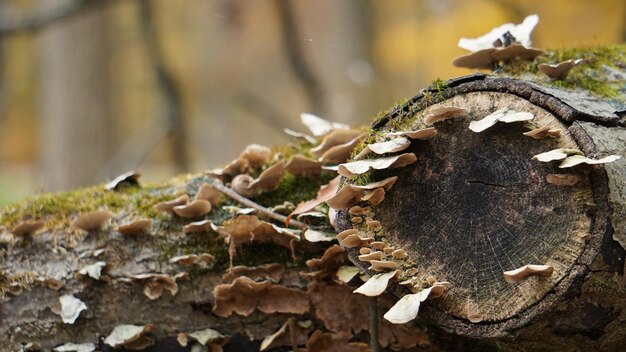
247, 289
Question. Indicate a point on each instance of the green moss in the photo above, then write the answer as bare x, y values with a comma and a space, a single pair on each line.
591, 75
294, 189
440, 87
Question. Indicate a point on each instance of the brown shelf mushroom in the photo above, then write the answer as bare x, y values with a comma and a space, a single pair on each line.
194, 209
135, 227
168, 206
522, 273
560, 70
27, 228
92, 221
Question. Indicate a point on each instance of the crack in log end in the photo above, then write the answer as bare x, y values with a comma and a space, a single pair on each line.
484, 183
475, 205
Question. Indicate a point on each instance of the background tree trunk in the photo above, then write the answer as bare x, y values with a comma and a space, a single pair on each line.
74, 101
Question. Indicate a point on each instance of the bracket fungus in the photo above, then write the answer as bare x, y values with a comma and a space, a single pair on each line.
75, 347
355, 168
155, 284
135, 227
424, 133
443, 113
376, 284
335, 138
168, 206
273, 272
209, 193
543, 132
195, 209
70, 308
241, 184
92, 221
130, 336
27, 228
204, 260
300, 165
563, 179
558, 71
197, 226
268, 179
93, 271
522, 273
256, 155
407, 307
126, 179
556, 154
502, 115
319, 126
340, 153
574, 160
392, 146
244, 295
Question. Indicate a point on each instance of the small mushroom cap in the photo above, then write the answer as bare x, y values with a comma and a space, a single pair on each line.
130, 178
371, 256
210, 193
70, 308
354, 240
256, 155
375, 197
516, 50
481, 59
443, 113
558, 71
543, 132
347, 197
269, 179
563, 179
301, 136
241, 184
343, 234
521, 32
522, 273
197, 227
365, 250
27, 228
168, 207
319, 126
399, 254
378, 245
423, 133
475, 317
335, 138
125, 333
300, 165
194, 209
340, 153
92, 221
383, 265
355, 168
374, 225
135, 227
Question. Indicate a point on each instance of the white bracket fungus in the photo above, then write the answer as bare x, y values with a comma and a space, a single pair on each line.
438, 114
502, 115
93, 271
376, 285
70, 308
319, 126
355, 168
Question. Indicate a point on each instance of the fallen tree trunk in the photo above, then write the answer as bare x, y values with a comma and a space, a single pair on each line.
471, 206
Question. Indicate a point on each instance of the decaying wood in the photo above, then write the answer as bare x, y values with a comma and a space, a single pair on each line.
461, 210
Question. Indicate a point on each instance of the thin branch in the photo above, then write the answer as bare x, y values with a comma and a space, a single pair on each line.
373, 312
297, 62
43, 17
171, 93
249, 203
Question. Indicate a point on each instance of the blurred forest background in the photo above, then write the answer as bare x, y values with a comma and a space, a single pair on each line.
93, 88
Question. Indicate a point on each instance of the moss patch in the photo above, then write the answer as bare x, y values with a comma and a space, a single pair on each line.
591, 75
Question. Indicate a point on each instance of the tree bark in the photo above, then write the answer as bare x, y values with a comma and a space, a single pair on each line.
472, 206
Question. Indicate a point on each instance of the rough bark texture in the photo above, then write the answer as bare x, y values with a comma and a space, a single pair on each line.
470, 207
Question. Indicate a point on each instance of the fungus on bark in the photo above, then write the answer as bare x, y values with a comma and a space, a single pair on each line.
168, 206
195, 209
135, 227
522, 273
92, 221
27, 228
126, 179
560, 70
